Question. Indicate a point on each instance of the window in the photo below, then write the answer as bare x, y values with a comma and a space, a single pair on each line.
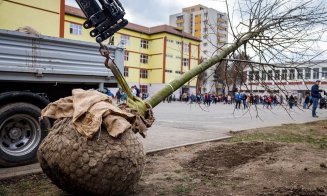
178, 57
256, 75
185, 62
124, 40
144, 58
178, 72
180, 17
169, 55
178, 43
307, 73
263, 75
300, 73
144, 44
144, 89
277, 75
126, 55
143, 73
315, 73
251, 75
284, 74
205, 44
292, 74
324, 72
168, 71
125, 71
75, 29
270, 75
185, 47
170, 41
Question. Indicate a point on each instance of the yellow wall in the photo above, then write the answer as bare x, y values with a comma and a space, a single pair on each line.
85, 32
47, 21
175, 64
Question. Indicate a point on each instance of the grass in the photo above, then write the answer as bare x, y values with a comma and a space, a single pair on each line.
3, 190
182, 189
30, 186
314, 134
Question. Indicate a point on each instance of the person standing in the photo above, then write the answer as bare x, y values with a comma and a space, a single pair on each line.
315, 94
291, 101
238, 99
306, 101
244, 100
133, 89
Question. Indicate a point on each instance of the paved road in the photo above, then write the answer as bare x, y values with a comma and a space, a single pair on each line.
180, 124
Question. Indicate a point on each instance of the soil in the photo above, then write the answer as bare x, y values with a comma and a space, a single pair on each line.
246, 165
243, 168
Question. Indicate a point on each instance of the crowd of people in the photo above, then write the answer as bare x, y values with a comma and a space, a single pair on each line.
241, 100
121, 96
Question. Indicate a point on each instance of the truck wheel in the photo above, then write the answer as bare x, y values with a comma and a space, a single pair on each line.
20, 133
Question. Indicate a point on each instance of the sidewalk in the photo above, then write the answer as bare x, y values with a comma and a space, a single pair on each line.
158, 138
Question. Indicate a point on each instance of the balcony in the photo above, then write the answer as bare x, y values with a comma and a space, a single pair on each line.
221, 28
221, 20
178, 21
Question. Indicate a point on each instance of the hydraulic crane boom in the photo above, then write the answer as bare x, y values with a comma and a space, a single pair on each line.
106, 16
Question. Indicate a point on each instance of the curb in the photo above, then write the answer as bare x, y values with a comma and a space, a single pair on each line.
35, 168
187, 144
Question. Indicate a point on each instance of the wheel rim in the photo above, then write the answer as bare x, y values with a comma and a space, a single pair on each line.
19, 135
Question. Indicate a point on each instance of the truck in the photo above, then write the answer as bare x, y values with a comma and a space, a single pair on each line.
34, 71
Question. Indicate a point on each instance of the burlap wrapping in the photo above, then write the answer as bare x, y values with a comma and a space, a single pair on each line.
89, 109
28, 30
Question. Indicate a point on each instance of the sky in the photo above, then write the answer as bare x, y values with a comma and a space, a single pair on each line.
156, 12
151, 13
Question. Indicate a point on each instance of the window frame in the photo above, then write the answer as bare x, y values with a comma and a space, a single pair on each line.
307, 73
277, 74
185, 62
284, 74
144, 44
144, 58
291, 74
300, 73
144, 88
315, 74
126, 55
126, 71
144, 73
75, 29
124, 40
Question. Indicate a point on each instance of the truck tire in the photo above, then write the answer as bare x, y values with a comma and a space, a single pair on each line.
20, 133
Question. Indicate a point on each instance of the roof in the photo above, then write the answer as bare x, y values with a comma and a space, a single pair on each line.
139, 28
74, 11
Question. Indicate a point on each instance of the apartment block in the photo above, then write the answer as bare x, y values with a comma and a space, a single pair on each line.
207, 24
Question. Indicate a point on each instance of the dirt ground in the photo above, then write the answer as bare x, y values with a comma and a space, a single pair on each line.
286, 160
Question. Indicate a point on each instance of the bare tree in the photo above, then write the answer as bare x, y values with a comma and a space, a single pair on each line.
270, 32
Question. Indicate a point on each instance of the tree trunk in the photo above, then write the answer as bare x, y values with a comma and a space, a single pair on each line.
177, 83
